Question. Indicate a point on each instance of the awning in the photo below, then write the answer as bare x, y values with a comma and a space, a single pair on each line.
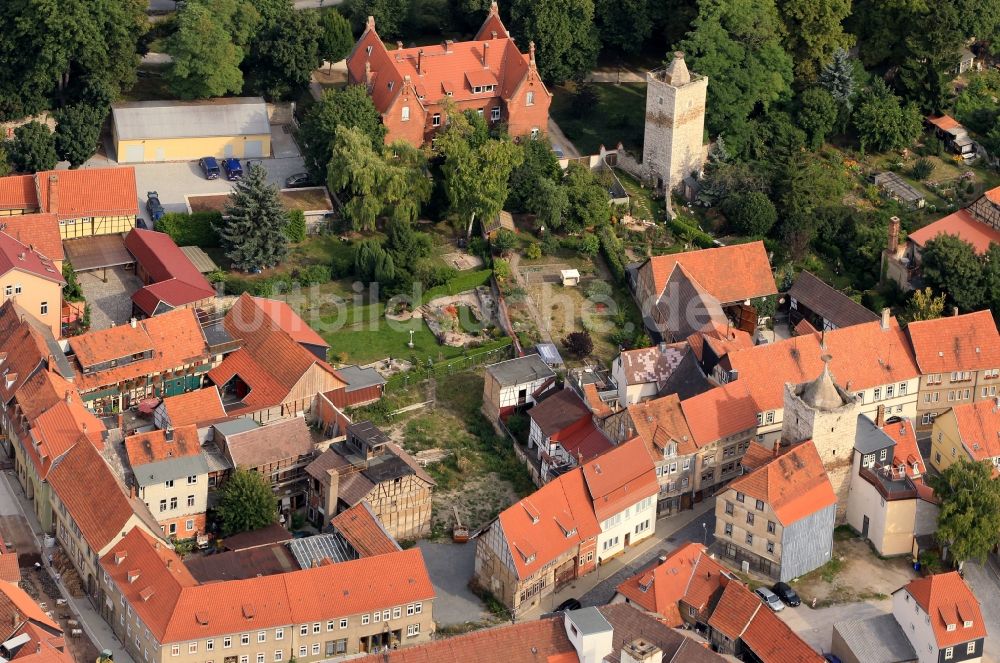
98, 252
147, 405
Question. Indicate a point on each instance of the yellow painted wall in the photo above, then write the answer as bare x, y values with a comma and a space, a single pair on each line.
187, 149
946, 444
33, 291
100, 225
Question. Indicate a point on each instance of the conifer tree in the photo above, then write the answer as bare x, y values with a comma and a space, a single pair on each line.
252, 232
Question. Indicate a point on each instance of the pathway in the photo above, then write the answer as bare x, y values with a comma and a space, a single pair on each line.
984, 580
615, 75
541, 322
559, 141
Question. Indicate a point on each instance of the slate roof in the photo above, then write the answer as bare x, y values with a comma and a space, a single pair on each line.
150, 120
827, 301
520, 370
878, 639
651, 365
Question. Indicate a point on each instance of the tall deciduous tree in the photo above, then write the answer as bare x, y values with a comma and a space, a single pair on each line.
624, 25
539, 164
950, 265
817, 114
476, 171
252, 232
284, 55
390, 180
588, 205
33, 148
969, 519
349, 107
807, 189
56, 52
78, 132
205, 61
247, 503
336, 39
814, 31
389, 15
932, 53
883, 123
738, 45
924, 305
564, 34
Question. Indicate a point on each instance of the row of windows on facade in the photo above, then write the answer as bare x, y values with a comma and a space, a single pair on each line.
613, 542
962, 376
771, 525
436, 118
749, 537
333, 647
617, 518
961, 394
10, 290
173, 503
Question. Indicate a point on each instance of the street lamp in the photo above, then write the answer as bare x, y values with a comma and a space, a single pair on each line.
704, 529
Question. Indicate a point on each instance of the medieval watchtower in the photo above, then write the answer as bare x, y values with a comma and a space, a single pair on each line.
675, 123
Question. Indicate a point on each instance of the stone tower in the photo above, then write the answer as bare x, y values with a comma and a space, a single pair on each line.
826, 414
672, 146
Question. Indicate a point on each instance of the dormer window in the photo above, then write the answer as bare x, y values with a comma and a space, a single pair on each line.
951, 627
967, 624
477, 90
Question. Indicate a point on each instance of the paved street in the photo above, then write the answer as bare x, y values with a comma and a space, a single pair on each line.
816, 626
985, 583
450, 566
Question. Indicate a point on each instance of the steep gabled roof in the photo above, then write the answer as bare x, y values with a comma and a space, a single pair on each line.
961, 224
728, 273
660, 421
968, 342
794, 485
19, 256
620, 478
828, 302
156, 446
558, 411
177, 281
38, 230
718, 413
978, 427
199, 407
947, 600
89, 192
361, 528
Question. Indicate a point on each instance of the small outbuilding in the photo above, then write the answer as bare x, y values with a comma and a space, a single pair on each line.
147, 131
570, 277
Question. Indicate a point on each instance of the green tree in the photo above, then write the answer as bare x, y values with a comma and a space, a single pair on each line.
991, 278
540, 163
349, 107
252, 232
975, 106
563, 32
389, 15
969, 517
295, 226
78, 132
476, 171
882, 122
738, 45
367, 257
4, 161
389, 180
814, 32
837, 78
553, 204
504, 241
241, 18
33, 148
624, 25
808, 189
336, 39
882, 27
751, 213
588, 205
206, 62
56, 52
950, 266
932, 52
924, 305
579, 344
247, 503
980, 19
282, 58
818, 114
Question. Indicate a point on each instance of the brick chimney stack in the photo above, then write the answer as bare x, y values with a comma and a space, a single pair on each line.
486, 50
53, 194
893, 235
420, 62
370, 23
531, 53
447, 45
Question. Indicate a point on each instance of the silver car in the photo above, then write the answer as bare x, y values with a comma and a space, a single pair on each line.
770, 599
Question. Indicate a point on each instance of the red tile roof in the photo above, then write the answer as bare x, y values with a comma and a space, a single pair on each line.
773, 641
155, 446
18, 192
729, 273
906, 451
582, 440
15, 255
101, 514
551, 521
944, 123
17, 607
594, 402
993, 195
688, 574
735, 610
361, 528
282, 315
558, 411
967, 342
23, 349
948, 600
90, 192
10, 571
177, 282
757, 455
794, 485
620, 478
721, 340
961, 224
38, 230
199, 407
720, 412
978, 425
58, 429
660, 421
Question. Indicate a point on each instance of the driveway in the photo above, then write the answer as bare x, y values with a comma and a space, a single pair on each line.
559, 141
450, 566
174, 180
816, 626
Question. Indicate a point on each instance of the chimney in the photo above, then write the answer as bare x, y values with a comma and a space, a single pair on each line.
447, 45
399, 45
131, 491
486, 49
494, 9
370, 23
885, 319
880, 416
531, 53
15, 619
170, 563
53, 193
133, 322
69, 397
954, 311
420, 62
893, 236
641, 651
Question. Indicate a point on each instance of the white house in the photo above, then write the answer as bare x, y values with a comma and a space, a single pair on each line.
515, 383
941, 617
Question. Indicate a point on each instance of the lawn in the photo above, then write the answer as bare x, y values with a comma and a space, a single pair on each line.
619, 115
642, 204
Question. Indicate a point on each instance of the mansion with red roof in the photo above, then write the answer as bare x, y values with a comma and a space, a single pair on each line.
411, 87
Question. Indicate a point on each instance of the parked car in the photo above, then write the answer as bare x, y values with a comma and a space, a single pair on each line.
770, 599
234, 170
210, 168
298, 180
569, 604
786, 594
154, 207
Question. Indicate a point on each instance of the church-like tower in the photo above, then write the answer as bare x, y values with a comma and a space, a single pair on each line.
823, 412
673, 144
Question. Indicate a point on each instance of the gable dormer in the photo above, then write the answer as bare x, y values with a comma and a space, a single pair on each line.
493, 27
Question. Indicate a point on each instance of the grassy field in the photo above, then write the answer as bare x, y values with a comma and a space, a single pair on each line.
619, 115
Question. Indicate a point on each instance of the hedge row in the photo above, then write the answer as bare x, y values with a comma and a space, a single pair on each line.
197, 229
697, 235
613, 251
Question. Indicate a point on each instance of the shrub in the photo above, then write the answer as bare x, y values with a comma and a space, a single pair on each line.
750, 213
599, 290
195, 229
579, 344
501, 269
922, 169
614, 252
590, 245
315, 275
295, 230
533, 252
342, 267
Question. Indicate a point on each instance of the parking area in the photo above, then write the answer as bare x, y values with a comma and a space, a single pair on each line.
110, 301
450, 566
815, 626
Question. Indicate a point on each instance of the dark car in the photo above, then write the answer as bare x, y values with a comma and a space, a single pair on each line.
569, 604
234, 170
298, 180
210, 167
786, 594
154, 207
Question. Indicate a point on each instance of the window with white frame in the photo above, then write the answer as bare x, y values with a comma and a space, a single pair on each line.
279, 634
329, 625
878, 393
436, 120
343, 623
412, 630
970, 648
260, 657
44, 308
192, 647
770, 417
949, 653
529, 98
495, 113
210, 645
385, 615
175, 650
396, 612
227, 642
418, 607
315, 648
364, 619
244, 659
317, 628
304, 629
376, 617
406, 114
279, 654
883, 454
245, 639
303, 651
409, 608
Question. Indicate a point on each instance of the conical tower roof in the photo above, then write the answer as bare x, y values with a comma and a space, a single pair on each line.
822, 393
677, 73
